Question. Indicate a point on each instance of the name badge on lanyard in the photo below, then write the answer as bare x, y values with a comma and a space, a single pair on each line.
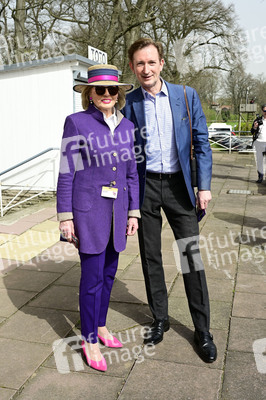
110, 192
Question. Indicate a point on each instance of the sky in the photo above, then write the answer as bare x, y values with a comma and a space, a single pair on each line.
252, 19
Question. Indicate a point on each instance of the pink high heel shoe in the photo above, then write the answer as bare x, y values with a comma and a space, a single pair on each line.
110, 343
99, 365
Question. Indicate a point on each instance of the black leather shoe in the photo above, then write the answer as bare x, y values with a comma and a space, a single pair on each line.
156, 331
260, 178
206, 348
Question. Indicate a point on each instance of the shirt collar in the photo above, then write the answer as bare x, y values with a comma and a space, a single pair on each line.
163, 90
112, 117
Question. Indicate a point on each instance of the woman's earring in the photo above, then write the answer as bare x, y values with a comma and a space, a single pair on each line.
91, 102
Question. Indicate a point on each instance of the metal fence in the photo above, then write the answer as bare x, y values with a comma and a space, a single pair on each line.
240, 141
30, 183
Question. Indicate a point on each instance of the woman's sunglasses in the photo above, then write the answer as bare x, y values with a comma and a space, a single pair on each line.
100, 90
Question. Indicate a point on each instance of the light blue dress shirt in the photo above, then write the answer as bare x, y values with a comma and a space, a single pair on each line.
161, 151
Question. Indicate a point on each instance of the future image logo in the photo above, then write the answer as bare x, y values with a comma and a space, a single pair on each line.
62, 358
187, 254
259, 350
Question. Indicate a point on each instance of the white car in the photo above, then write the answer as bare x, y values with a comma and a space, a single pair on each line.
219, 128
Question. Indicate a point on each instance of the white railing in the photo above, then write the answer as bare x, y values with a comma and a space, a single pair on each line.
230, 144
30, 178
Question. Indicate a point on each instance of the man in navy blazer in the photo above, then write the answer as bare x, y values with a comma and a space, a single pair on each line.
162, 145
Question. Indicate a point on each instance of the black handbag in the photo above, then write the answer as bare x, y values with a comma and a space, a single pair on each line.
193, 161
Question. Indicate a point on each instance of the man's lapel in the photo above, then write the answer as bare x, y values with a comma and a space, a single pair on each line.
138, 107
175, 97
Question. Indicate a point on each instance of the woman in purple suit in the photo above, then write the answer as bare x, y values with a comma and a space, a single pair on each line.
98, 198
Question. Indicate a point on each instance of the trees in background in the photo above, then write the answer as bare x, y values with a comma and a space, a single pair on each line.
237, 86
27, 32
243, 88
201, 38
259, 90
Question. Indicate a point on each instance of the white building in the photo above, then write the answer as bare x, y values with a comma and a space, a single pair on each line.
35, 99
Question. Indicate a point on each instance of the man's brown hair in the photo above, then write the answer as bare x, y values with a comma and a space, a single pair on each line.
144, 42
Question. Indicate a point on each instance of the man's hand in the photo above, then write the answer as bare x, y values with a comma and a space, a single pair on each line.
203, 198
132, 226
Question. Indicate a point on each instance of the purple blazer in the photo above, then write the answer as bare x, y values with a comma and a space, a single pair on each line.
91, 157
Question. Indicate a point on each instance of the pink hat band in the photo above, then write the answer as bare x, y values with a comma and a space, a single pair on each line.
103, 78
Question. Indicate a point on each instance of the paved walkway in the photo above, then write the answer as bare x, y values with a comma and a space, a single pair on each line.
39, 306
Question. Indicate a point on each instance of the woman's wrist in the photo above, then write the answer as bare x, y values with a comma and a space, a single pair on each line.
133, 214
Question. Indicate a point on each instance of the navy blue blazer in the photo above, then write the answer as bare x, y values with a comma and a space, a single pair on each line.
134, 111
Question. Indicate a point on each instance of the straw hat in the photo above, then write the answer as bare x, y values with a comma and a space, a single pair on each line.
103, 75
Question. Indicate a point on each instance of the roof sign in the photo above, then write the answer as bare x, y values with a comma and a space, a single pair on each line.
97, 55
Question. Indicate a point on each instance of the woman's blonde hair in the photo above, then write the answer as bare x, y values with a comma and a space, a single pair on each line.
85, 97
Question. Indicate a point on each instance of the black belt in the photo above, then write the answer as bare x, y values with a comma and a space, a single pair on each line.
160, 176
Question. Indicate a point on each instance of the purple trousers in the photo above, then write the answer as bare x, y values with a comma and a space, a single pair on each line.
97, 278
